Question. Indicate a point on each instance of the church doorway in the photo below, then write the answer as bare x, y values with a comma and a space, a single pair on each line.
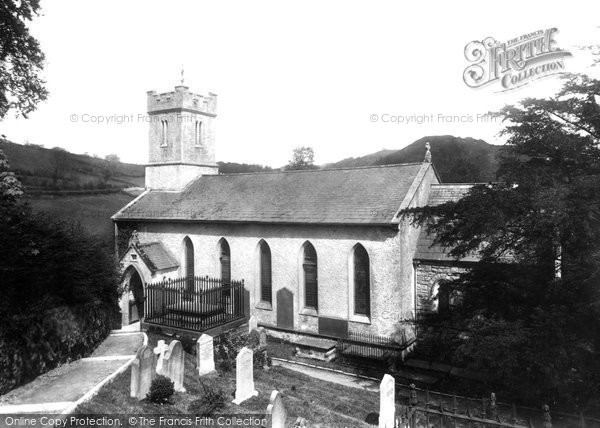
134, 294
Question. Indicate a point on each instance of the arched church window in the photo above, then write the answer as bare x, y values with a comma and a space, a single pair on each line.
362, 281
309, 266
265, 272
164, 133
440, 298
198, 133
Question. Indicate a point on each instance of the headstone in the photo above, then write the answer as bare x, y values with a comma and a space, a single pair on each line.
262, 337
276, 413
244, 376
387, 402
252, 323
174, 364
142, 372
160, 350
205, 358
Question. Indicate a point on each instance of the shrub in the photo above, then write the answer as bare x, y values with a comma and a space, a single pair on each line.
230, 344
253, 339
189, 344
161, 390
211, 402
261, 359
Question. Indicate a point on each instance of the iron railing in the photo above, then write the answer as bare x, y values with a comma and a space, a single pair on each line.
193, 303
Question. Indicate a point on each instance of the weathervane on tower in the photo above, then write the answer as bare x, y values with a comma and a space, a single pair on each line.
181, 74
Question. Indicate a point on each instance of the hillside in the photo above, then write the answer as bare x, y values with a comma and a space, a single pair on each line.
457, 160
39, 168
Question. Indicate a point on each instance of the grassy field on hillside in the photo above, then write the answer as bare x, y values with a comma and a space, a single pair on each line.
92, 211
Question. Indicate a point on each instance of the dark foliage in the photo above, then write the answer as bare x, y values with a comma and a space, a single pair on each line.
161, 390
21, 59
529, 311
238, 168
229, 345
58, 298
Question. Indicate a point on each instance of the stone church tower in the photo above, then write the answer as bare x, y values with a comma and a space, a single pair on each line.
181, 138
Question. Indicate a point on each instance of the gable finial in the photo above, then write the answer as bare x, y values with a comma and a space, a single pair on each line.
428, 153
134, 239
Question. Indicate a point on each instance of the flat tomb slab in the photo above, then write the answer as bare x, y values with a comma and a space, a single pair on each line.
316, 343
316, 348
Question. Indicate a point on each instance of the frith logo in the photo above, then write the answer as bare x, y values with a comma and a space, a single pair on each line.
514, 63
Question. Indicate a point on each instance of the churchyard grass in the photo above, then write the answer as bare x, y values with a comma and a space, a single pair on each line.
319, 402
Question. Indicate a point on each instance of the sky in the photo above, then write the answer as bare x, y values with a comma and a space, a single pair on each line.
342, 77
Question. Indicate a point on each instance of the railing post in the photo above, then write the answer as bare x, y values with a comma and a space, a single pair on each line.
581, 420
547, 417
413, 399
493, 413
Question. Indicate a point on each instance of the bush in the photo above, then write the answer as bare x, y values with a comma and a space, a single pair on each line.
161, 390
261, 359
211, 402
230, 344
189, 344
58, 294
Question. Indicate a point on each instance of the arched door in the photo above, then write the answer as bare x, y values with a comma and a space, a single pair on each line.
134, 296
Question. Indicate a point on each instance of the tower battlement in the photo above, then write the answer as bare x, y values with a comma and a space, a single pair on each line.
181, 137
182, 98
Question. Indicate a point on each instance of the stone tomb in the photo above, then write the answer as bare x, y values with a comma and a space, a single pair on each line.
142, 372
205, 355
244, 376
276, 413
387, 402
174, 364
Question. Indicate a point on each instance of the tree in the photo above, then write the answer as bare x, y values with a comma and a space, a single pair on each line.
302, 158
112, 158
21, 59
10, 186
530, 309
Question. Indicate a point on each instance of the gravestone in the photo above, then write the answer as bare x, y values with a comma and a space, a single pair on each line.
262, 338
160, 350
205, 358
244, 376
174, 364
142, 372
387, 402
285, 309
276, 414
252, 323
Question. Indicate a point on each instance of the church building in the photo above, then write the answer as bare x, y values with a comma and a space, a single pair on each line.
322, 252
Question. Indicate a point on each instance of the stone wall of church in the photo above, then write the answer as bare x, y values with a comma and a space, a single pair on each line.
428, 274
391, 296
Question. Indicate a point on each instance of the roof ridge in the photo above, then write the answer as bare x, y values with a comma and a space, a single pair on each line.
315, 170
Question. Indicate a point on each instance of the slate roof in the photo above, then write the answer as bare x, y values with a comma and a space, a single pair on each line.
364, 195
439, 194
156, 256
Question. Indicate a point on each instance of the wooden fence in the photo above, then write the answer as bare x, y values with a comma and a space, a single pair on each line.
193, 303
